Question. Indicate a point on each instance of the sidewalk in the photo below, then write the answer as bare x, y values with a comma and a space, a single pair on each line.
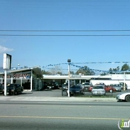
43, 96
55, 99
15, 98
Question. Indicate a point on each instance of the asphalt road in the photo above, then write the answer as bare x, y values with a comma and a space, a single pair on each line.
58, 116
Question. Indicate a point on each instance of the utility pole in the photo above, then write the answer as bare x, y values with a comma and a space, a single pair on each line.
69, 61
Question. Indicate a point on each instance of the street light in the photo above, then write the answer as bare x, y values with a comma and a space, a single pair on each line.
69, 60
18, 66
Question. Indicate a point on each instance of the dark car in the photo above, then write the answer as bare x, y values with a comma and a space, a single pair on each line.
14, 89
1, 88
123, 85
54, 85
64, 86
76, 89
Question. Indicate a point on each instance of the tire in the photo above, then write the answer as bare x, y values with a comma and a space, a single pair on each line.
83, 93
71, 94
127, 98
119, 100
111, 91
65, 93
15, 93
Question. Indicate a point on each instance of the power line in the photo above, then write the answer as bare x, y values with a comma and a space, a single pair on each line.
65, 30
30, 35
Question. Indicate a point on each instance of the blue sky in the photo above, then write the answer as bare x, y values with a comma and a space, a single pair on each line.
65, 15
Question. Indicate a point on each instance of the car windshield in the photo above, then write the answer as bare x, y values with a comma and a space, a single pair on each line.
115, 85
75, 87
98, 87
11, 85
85, 83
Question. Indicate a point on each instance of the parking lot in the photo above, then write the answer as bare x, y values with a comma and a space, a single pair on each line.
58, 93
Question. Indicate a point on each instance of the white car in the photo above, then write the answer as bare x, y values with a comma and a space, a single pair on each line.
123, 96
98, 90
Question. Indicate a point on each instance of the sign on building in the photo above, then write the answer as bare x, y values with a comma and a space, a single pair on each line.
7, 59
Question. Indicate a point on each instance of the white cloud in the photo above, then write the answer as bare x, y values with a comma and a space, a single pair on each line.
5, 49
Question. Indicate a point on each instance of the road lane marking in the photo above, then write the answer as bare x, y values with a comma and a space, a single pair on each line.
73, 118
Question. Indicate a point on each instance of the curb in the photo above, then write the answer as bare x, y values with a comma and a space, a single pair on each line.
63, 99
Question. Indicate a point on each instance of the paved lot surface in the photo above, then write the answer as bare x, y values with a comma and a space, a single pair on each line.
56, 95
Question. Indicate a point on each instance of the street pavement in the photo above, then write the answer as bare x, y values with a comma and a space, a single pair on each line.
38, 110
53, 96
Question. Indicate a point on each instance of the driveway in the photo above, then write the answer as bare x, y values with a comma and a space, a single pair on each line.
58, 93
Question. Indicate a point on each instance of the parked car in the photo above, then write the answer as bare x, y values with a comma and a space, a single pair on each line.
103, 84
122, 84
81, 86
1, 88
98, 84
14, 89
65, 86
109, 88
86, 85
98, 90
54, 85
50, 85
90, 88
116, 86
76, 89
123, 96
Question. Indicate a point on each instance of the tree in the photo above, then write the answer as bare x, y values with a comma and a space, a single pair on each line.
104, 73
25, 66
37, 72
56, 70
118, 68
110, 70
72, 72
85, 70
46, 72
114, 70
125, 67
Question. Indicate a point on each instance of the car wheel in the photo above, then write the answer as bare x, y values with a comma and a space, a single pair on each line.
111, 91
15, 93
127, 98
65, 93
119, 100
83, 93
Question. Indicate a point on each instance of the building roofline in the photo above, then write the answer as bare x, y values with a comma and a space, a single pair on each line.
19, 70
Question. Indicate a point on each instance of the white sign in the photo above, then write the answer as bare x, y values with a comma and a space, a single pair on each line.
7, 61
